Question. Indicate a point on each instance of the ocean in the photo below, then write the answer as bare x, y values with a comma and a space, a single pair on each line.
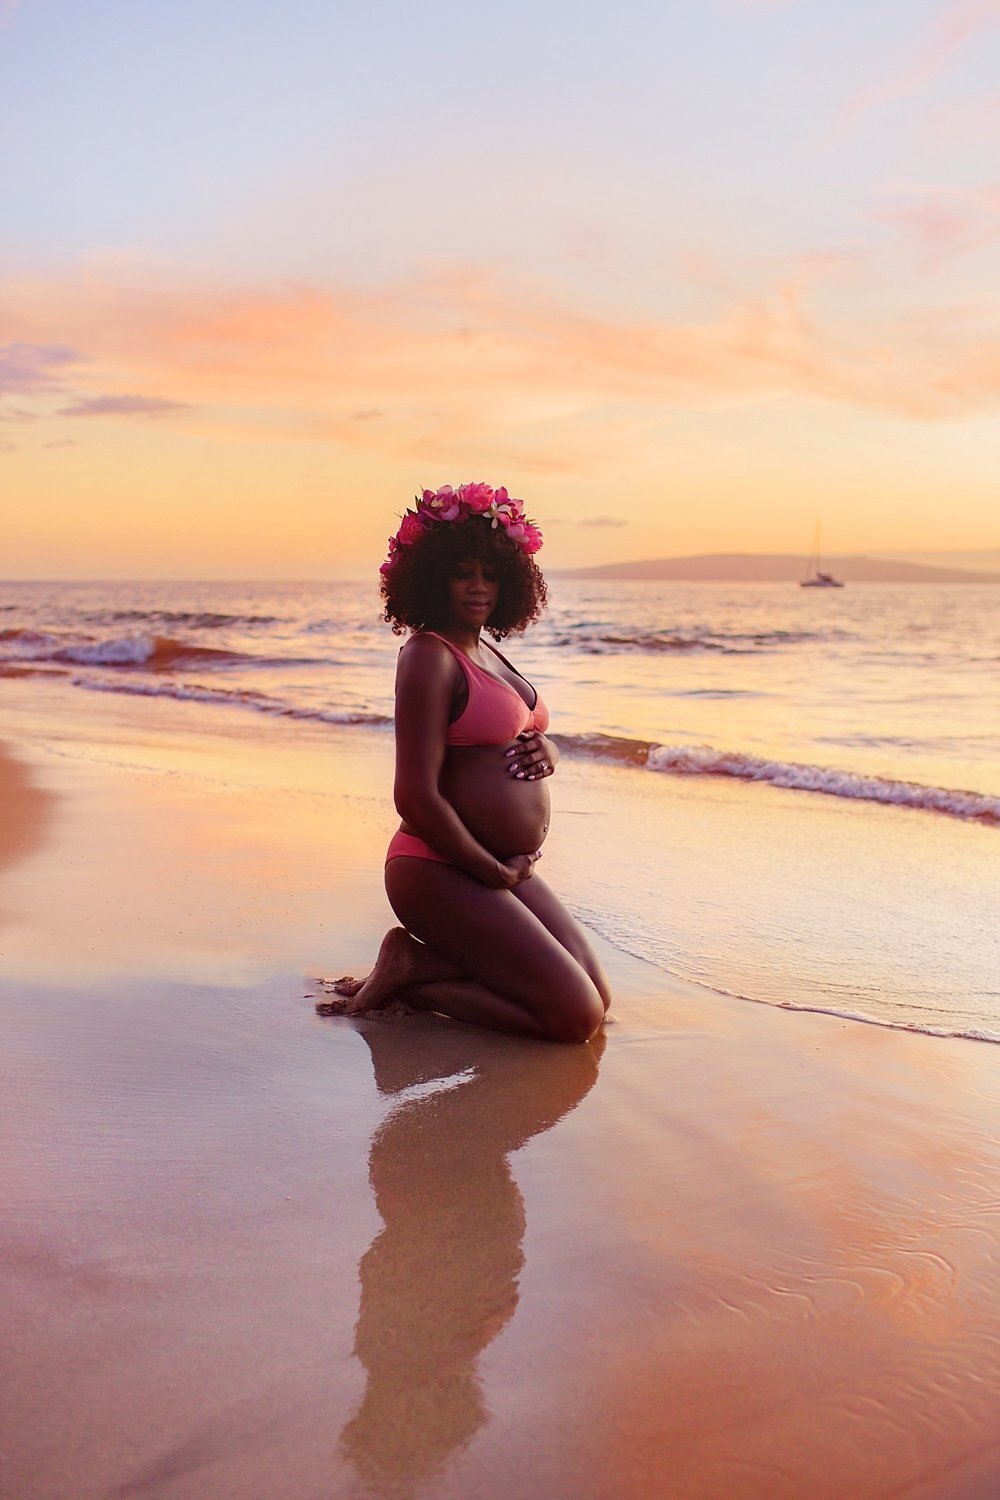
787, 795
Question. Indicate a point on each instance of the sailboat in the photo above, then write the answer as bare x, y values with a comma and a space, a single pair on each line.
819, 579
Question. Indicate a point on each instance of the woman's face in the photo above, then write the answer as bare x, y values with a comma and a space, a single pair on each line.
473, 591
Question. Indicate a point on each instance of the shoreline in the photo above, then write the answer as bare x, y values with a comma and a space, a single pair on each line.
252, 1251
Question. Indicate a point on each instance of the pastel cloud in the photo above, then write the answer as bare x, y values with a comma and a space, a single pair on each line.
946, 222
28, 368
962, 124
926, 56
117, 406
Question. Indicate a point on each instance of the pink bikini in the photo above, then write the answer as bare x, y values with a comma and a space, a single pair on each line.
494, 714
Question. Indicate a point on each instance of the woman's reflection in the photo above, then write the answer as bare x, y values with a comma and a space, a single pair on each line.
25, 810
440, 1280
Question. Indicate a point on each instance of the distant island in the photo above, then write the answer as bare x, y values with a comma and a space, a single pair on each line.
776, 567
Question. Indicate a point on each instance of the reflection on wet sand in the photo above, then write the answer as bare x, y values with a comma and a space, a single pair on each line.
24, 811
439, 1281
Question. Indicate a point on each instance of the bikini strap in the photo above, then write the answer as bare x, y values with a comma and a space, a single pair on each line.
503, 658
463, 661
461, 654
516, 673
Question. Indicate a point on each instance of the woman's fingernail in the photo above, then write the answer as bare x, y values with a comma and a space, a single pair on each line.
510, 751
520, 776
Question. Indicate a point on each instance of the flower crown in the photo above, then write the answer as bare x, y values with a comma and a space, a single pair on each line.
447, 504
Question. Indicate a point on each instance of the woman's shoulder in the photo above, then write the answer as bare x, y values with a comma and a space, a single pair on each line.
425, 641
426, 674
426, 651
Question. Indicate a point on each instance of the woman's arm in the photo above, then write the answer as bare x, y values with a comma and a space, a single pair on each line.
425, 679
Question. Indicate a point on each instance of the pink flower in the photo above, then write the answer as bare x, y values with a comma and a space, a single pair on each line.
441, 505
411, 530
477, 497
500, 513
512, 506
532, 539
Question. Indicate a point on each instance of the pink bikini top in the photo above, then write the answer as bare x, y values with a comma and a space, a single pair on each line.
495, 712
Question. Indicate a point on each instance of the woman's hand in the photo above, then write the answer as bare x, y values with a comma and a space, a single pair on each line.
517, 868
531, 757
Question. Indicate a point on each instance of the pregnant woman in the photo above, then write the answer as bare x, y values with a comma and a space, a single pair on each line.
483, 938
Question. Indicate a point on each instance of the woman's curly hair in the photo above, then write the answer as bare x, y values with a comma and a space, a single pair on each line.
415, 588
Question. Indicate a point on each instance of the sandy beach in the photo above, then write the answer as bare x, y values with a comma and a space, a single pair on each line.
725, 1250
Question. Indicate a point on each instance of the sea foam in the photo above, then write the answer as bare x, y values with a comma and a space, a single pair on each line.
704, 761
192, 692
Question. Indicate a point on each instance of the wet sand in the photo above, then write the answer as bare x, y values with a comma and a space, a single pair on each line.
246, 1251
25, 810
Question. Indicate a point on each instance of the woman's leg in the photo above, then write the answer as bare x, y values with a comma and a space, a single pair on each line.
543, 901
402, 961
488, 958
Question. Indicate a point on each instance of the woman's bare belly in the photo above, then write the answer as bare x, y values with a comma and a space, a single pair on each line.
505, 815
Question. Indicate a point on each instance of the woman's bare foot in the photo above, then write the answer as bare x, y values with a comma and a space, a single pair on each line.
395, 967
346, 985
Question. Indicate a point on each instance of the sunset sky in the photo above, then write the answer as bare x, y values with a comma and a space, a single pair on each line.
681, 275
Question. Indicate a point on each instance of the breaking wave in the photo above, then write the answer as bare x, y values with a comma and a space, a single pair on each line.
193, 692
702, 760
156, 653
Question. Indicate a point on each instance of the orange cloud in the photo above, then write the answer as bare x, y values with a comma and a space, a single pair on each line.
461, 363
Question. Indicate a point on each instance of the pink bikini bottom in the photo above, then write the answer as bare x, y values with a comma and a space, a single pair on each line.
408, 845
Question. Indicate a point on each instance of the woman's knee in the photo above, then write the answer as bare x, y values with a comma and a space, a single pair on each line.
576, 1015
575, 1027
600, 982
